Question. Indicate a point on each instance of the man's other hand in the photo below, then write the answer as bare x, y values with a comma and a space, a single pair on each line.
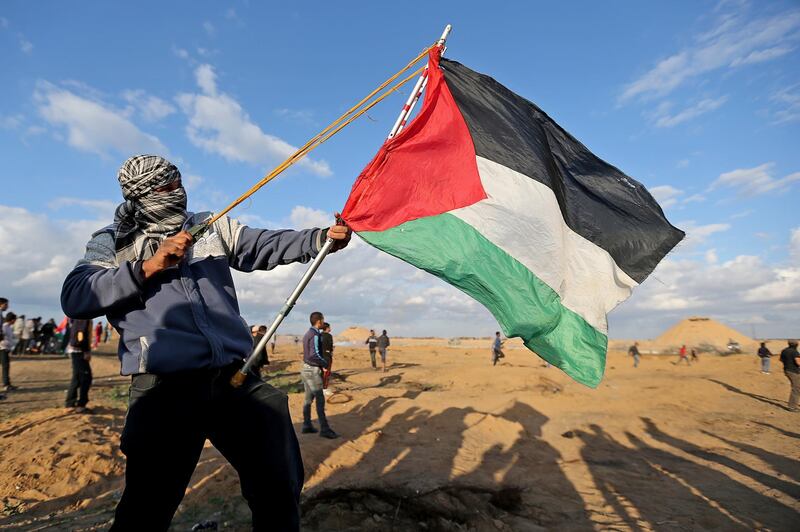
340, 234
169, 253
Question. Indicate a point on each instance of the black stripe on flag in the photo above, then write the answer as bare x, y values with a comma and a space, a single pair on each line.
598, 201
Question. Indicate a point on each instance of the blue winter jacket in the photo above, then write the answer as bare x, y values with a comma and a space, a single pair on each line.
186, 317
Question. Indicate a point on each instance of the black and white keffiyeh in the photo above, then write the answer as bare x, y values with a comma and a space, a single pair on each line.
146, 217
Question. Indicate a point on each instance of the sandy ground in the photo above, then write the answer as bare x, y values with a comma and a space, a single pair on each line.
445, 441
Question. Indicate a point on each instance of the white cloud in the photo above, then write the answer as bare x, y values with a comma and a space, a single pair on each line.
206, 79
191, 181
694, 198
150, 107
683, 163
794, 245
760, 56
741, 291
757, 180
101, 209
307, 217
92, 125
738, 39
362, 286
788, 99
3, 22
25, 45
218, 124
11, 122
666, 195
702, 107
180, 52
302, 116
209, 28
698, 234
742, 214
33, 279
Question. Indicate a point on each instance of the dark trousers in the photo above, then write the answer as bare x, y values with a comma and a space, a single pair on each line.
81, 381
170, 417
794, 394
5, 362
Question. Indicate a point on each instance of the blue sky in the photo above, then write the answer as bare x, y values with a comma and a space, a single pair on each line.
698, 100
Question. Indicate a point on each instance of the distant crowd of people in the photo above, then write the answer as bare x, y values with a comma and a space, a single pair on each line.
73, 338
789, 357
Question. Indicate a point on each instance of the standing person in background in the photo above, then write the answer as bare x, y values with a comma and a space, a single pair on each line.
63, 328
107, 333
326, 339
765, 356
27, 335
258, 332
313, 364
383, 344
79, 351
634, 352
98, 333
791, 368
19, 325
46, 335
372, 342
6, 346
3, 308
497, 349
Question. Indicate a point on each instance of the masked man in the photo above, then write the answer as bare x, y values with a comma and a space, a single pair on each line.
181, 338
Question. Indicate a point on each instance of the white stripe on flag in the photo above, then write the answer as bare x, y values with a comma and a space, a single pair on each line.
521, 216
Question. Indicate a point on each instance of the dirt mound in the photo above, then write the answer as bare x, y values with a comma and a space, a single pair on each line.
352, 334
61, 459
700, 332
453, 508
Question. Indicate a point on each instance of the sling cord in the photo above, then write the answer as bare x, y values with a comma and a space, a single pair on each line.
337, 125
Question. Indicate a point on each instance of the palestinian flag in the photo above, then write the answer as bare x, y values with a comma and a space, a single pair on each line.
487, 192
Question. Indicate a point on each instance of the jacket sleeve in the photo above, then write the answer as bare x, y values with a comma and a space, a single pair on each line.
97, 285
318, 352
262, 249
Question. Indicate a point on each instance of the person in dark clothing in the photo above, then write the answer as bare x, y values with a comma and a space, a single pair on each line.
634, 352
172, 300
765, 356
79, 350
313, 365
65, 338
259, 331
497, 349
372, 343
3, 308
791, 368
326, 339
383, 345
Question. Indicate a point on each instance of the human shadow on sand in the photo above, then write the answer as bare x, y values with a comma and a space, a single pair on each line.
649, 487
757, 397
410, 476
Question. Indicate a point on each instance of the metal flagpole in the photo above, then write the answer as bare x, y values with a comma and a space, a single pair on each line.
419, 86
239, 377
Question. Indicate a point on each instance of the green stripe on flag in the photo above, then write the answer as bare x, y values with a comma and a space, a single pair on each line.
523, 305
